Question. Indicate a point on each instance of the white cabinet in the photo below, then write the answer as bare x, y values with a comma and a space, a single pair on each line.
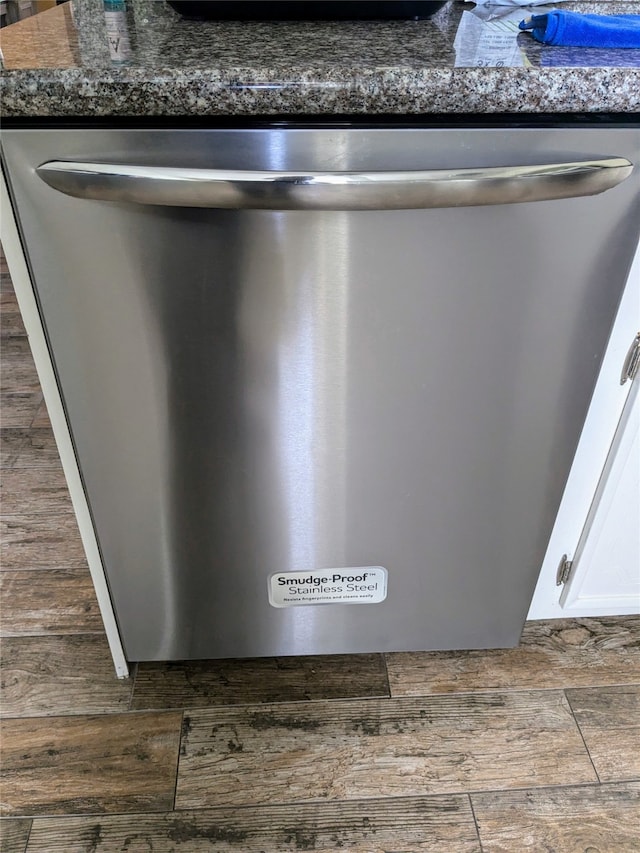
598, 524
605, 575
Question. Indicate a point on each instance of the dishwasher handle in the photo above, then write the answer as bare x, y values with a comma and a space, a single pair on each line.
384, 190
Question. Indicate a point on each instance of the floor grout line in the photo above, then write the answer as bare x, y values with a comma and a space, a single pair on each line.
175, 786
366, 801
133, 674
575, 719
26, 846
386, 674
264, 706
411, 797
12, 636
488, 691
475, 823
116, 713
44, 568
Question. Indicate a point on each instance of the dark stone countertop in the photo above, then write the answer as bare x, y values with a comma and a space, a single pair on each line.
461, 60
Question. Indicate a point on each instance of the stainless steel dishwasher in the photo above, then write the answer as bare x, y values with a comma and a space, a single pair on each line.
325, 384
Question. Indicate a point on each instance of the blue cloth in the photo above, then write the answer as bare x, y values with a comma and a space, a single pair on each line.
577, 30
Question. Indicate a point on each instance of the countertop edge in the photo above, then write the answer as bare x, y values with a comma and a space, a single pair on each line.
246, 91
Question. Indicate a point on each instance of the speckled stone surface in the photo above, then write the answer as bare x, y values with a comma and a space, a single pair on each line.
179, 67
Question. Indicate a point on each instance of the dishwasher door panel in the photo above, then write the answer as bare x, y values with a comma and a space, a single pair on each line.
252, 392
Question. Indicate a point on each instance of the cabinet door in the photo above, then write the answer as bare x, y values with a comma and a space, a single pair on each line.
605, 576
597, 524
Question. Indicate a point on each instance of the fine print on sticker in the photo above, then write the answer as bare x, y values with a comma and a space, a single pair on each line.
360, 585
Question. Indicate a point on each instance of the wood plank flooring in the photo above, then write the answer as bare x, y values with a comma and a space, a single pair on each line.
392, 748
427, 825
38, 450
115, 762
50, 541
591, 819
60, 674
609, 720
555, 654
230, 682
52, 601
527, 750
14, 835
11, 443
34, 491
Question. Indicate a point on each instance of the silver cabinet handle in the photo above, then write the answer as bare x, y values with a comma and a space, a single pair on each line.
257, 190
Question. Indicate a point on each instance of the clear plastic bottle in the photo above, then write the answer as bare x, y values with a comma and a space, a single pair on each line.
118, 37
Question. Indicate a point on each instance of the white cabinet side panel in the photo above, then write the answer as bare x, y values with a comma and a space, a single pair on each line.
16, 261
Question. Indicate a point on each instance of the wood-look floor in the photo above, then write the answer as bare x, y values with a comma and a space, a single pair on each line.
528, 750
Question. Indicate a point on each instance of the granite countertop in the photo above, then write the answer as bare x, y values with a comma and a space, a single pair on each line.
463, 59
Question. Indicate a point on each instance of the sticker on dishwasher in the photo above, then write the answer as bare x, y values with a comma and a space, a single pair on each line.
360, 585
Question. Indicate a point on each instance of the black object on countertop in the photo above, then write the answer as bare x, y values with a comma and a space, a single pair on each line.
297, 10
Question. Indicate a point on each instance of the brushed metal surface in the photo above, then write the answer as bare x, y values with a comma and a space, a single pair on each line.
254, 392
278, 190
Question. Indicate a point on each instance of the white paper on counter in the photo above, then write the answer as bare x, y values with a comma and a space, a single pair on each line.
488, 38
